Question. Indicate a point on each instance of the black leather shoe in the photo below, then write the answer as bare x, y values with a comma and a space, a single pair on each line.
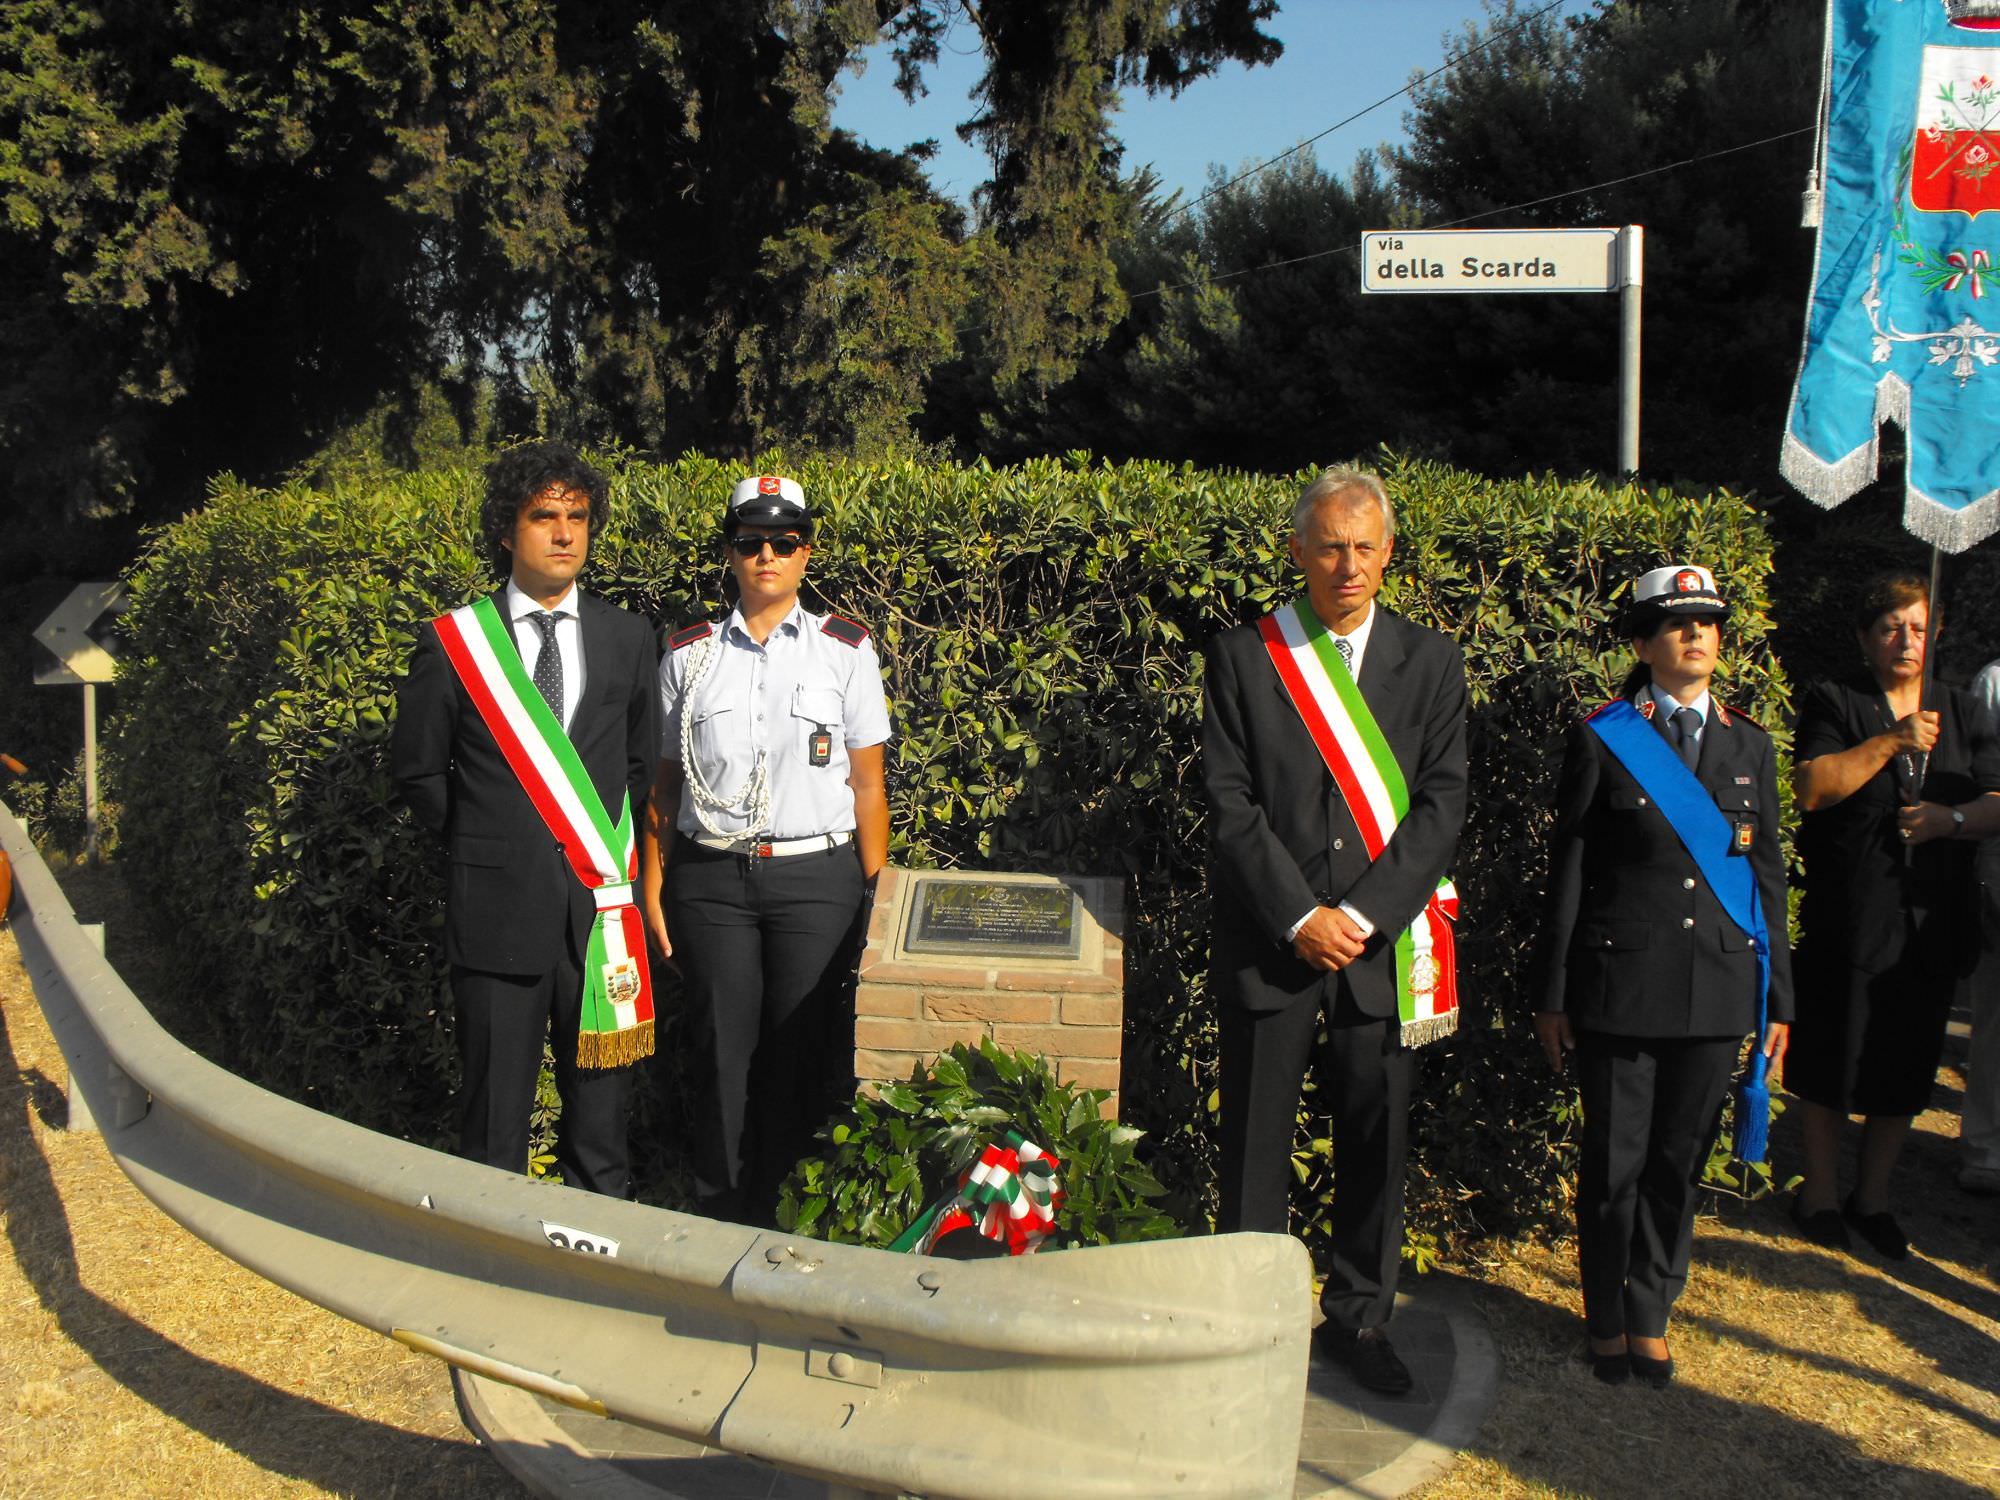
1612, 1369
1368, 1355
1880, 1230
1822, 1228
1658, 1373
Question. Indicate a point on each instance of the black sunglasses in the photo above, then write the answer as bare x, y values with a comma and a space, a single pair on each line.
781, 546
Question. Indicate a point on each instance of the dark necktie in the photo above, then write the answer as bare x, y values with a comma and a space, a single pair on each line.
1340, 644
1687, 724
548, 663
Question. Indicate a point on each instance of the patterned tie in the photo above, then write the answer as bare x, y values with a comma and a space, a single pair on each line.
1687, 724
1346, 650
548, 663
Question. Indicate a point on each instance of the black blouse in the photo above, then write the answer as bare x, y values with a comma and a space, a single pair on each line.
1865, 889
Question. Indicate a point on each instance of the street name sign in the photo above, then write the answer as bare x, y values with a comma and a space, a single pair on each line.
1489, 260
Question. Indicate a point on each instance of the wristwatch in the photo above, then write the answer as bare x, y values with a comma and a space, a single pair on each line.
1957, 822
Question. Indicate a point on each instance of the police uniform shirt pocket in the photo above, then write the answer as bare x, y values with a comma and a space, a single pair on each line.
1621, 800
817, 715
713, 725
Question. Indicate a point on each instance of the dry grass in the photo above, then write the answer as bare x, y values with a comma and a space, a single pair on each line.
135, 1360
1799, 1371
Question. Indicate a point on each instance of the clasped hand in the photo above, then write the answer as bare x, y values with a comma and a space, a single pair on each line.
1329, 939
1924, 822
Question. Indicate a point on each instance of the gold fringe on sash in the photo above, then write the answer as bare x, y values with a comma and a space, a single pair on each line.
614, 1049
1430, 1029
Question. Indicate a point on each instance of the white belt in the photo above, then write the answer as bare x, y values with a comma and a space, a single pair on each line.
775, 848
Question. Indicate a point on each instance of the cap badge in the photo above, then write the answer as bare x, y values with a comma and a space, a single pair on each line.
767, 484
1687, 581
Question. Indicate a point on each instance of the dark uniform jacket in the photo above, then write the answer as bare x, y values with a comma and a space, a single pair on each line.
1633, 941
512, 896
1281, 838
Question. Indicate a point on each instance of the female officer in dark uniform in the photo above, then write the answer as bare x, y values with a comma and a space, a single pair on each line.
771, 772
1642, 970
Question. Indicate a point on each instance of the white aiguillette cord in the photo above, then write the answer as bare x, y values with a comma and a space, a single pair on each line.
753, 798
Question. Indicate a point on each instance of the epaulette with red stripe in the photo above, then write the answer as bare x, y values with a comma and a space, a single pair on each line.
1726, 715
847, 632
687, 635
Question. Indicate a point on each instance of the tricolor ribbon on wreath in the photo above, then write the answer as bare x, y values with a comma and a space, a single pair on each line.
1009, 1195
616, 1026
1337, 717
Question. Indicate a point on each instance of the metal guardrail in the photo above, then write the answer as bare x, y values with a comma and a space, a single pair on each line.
1171, 1368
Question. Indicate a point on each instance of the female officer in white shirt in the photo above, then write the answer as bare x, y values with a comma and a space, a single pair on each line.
771, 773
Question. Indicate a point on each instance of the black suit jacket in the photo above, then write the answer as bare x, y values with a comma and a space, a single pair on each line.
1281, 837
1633, 941
512, 901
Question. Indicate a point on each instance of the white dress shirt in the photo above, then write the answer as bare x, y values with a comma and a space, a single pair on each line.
569, 641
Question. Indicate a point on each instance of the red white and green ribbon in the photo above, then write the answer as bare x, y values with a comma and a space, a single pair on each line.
1337, 717
617, 1019
1010, 1195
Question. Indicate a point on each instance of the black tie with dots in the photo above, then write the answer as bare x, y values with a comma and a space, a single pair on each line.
1346, 650
548, 663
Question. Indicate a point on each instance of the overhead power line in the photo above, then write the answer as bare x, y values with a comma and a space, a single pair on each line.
1512, 208
1443, 67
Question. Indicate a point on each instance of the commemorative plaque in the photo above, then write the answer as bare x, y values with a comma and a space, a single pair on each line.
967, 914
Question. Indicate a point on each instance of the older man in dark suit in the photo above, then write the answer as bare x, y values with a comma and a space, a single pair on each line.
1333, 746
525, 736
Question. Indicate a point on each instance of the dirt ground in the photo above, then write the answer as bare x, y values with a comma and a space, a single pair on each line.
135, 1360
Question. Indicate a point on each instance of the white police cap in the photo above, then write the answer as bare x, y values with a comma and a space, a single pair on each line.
768, 500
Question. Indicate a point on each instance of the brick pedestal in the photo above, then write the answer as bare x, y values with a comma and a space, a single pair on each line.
910, 1007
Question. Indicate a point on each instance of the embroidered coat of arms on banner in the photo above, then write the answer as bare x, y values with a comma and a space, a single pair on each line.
1901, 326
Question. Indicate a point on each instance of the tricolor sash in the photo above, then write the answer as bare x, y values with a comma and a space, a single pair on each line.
616, 1026
1337, 718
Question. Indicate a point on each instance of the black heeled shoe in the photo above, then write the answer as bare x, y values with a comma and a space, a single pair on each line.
1658, 1373
1612, 1369
1880, 1230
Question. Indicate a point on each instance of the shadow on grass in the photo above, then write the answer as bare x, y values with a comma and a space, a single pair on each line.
1553, 1424
282, 1433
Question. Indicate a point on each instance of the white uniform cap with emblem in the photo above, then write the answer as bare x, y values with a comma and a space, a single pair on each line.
768, 500
1672, 592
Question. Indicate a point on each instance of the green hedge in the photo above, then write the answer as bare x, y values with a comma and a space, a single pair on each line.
1043, 628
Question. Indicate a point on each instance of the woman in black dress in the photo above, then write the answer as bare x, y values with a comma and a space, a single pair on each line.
1895, 793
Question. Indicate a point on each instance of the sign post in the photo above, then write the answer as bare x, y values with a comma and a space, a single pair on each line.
1397, 261
81, 658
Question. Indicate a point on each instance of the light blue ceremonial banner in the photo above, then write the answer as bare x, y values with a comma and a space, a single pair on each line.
1904, 323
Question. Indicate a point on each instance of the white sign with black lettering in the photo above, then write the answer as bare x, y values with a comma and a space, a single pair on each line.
586, 1241
1490, 260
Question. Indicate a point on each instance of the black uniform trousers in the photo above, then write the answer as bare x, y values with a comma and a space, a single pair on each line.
1363, 1074
500, 1022
764, 947
1651, 1106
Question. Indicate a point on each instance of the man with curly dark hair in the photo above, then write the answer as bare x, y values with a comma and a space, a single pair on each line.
525, 737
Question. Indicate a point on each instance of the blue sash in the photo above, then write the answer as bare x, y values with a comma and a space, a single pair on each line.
1695, 819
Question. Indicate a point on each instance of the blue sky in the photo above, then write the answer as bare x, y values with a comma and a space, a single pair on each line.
1340, 56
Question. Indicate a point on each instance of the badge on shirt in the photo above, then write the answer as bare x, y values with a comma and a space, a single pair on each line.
1746, 834
819, 747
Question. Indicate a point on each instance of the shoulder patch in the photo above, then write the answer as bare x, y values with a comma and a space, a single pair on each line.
687, 635
847, 632
1728, 714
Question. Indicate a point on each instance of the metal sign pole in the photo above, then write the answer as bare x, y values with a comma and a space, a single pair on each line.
90, 771
1631, 284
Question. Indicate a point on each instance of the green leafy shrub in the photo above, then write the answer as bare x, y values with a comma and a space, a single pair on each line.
1042, 628
888, 1157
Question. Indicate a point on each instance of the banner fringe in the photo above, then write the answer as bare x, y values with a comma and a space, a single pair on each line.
1430, 1029
614, 1049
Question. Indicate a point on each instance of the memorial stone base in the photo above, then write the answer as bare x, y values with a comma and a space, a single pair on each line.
1035, 962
